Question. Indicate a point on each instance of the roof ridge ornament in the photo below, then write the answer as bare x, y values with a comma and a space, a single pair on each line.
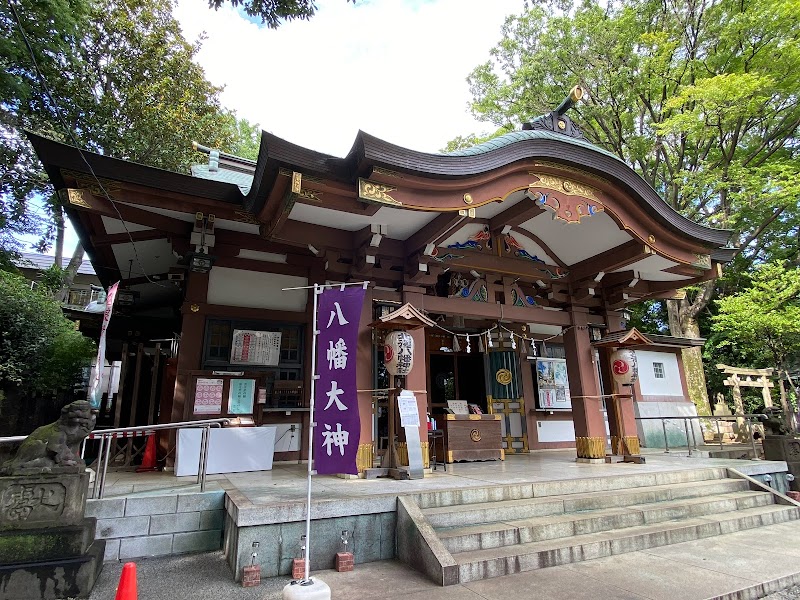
557, 121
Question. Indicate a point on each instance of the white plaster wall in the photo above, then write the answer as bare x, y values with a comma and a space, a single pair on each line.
555, 431
670, 385
651, 431
252, 289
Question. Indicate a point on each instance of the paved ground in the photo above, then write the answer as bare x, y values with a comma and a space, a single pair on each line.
286, 481
715, 567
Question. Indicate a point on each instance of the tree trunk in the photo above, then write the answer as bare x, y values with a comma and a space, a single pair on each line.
58, 217
70, 272
682, 316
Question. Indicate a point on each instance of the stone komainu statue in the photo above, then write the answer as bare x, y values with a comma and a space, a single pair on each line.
774, 423
54, 447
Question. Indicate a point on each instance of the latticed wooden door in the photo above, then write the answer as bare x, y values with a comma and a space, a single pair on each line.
506, 398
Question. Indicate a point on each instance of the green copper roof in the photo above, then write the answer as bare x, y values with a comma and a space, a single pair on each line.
530, 134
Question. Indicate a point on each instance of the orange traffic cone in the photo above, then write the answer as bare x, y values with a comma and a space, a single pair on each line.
149, 458
126, 590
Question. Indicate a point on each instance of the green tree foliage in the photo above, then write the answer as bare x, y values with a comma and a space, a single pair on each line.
39, 348
247, 139
698, 96
273, 12
762, 323
123, 80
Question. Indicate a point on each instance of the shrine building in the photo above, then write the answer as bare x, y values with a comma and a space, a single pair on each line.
522, 252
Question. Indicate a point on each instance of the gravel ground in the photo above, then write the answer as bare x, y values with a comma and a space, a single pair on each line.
790, 594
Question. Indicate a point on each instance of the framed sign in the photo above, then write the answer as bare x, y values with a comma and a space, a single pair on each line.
459, 407
251, 347
208, 396
553, 384
407, 405
240, 396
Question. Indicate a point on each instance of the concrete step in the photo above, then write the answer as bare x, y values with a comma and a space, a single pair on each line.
494, 562
489, 512
494, 535
498, 493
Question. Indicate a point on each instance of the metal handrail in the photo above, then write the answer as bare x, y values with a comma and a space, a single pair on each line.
716, 418
106, 435
11, 439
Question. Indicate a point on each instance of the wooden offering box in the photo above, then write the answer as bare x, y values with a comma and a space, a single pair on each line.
473, 437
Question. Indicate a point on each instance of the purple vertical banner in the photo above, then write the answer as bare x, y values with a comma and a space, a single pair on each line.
338, 428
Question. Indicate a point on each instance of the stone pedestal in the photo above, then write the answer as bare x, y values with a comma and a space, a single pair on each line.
784, 447
47, 547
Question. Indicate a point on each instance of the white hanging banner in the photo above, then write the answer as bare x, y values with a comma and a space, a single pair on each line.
95, 395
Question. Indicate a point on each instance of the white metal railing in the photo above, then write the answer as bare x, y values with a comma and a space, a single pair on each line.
12, 439
106, 436
748, 418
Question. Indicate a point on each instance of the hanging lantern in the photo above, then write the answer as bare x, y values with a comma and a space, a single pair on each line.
398, 353
624, 368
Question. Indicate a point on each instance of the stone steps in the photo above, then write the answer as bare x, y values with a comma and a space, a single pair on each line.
494, 535
487, 512
494, 562
470, 496
471, 534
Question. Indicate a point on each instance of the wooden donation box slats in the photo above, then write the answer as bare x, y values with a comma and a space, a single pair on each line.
473, 437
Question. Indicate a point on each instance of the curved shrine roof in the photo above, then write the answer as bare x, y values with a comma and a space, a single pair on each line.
369, 151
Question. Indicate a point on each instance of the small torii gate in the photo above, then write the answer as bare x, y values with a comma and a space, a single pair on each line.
738, 378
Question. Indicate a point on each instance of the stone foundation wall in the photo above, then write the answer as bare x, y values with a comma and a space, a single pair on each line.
144, 526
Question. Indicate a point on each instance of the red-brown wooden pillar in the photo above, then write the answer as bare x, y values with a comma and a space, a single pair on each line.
587, 413
417, 379
623, 426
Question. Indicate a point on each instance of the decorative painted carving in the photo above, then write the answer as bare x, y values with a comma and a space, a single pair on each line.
571, 210
565, 186
518, 298
310, 194
481, 293
476, 241
448, 256
461, 287
246, 217
581, 200
702, 260
387, 173
77, 197
376, 192
512, 246
98, 186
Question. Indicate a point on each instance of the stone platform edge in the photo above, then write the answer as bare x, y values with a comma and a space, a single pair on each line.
159, 525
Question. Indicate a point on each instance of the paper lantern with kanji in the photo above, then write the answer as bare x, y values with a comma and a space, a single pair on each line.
624, 368
398, 353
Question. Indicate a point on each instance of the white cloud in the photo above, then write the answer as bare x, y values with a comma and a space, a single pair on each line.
395, 69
